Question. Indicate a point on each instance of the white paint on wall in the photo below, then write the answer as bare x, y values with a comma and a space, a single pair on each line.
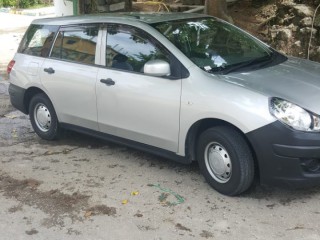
63, 8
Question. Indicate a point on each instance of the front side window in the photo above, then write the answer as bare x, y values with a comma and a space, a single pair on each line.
215, 46
130, 49
38, 40
76, 45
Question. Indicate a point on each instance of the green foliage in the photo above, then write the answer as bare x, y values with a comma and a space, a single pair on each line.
8, 3
23, 3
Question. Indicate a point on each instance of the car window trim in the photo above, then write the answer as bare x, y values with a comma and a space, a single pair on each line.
78, 27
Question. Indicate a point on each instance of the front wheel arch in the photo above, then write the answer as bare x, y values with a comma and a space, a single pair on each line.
225, 160
202, 125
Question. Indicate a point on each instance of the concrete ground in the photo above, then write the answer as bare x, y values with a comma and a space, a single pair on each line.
12, 28
83, 188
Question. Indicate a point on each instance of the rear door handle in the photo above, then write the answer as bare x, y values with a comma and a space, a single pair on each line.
49, 70
108, 81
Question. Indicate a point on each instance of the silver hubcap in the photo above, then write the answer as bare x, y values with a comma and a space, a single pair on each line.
218, 162
42, 117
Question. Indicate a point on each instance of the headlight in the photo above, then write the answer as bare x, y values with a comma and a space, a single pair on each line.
294, 116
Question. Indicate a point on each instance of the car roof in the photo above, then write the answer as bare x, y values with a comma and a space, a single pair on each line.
148, 18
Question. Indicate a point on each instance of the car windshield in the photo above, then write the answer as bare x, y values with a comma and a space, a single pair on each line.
216, 46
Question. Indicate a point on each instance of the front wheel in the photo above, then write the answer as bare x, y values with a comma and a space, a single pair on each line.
43, 117
225, 160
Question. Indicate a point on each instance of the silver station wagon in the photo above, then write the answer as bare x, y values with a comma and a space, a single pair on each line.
184, 86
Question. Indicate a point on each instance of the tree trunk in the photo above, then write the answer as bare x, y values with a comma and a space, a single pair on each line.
129, 6
218, 8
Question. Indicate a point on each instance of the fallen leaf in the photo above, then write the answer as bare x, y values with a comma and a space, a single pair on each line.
14, 134
66, 151
11, 116
48, 153
124, 201
134, 193
298, 227
87, 214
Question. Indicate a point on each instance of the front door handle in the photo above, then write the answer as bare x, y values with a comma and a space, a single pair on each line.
108, 81
49, 70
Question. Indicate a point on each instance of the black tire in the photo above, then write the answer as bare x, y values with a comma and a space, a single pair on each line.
43, 117
225, 160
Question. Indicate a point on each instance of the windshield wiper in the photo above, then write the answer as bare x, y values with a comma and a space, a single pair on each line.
261, 61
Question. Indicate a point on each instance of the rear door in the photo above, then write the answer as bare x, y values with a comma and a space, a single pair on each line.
134, 105
69, 75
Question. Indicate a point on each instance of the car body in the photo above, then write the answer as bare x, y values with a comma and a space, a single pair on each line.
185, 86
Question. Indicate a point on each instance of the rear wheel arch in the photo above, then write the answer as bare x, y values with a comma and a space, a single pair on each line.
29, 94
43, 117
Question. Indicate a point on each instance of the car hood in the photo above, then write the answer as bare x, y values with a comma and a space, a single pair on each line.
296, 80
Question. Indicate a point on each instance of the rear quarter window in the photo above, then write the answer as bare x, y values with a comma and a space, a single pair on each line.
37, 40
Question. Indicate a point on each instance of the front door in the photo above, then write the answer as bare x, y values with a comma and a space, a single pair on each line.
134, 105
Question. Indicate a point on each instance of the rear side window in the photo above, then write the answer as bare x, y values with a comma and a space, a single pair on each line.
38, 40
76, 45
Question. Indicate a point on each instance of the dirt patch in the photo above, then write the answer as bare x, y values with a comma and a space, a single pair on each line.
101, 210
31, 232
139, 215
56, 204
15, 209
64, 151
206, 234
183, 228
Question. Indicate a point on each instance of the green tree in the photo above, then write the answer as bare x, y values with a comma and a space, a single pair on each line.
9, 3
23, 3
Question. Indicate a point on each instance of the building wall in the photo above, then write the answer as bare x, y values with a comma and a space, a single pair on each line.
63, 7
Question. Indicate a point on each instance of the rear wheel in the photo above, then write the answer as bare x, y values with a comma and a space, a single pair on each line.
43, 117
225, 160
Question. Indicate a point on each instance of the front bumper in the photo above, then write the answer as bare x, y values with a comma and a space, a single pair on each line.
286, 157
17, 97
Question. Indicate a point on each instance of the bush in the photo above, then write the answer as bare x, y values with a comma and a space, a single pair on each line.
23, 3
9, 3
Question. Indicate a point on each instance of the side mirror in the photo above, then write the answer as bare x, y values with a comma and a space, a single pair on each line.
157, 68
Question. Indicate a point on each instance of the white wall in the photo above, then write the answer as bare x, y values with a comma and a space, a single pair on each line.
63, 7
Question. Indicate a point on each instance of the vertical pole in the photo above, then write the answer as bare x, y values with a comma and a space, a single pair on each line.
75, 7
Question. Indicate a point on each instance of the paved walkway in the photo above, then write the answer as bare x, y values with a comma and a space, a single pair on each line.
10, 22
12, 28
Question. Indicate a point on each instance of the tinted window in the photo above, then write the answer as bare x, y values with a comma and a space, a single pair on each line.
129, 49
37, 40
76, 45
